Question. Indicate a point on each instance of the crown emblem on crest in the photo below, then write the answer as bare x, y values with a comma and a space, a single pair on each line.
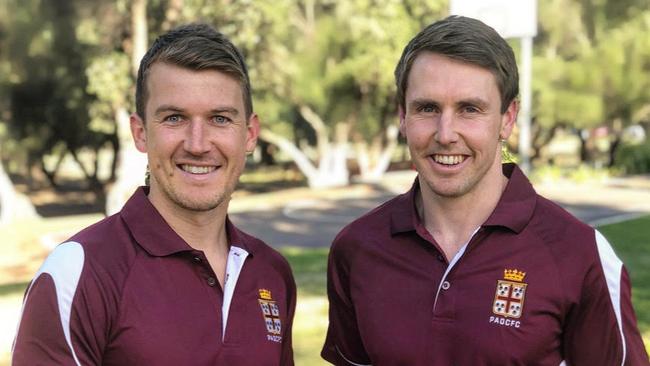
265, 294
514, 275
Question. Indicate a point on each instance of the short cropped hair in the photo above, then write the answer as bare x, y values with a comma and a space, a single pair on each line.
466, 40
195, 47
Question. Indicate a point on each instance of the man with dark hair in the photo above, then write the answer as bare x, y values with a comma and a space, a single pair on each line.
471, 266
169, 280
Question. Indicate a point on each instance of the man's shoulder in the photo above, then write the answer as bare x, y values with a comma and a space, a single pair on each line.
561, 231
106, 244
96, 261
380, 216
553, 217
375, 224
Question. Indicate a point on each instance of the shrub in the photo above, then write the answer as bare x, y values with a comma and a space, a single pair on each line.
634, 158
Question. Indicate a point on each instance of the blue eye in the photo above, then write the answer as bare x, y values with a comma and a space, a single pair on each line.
174, 118
220, 120
427, 109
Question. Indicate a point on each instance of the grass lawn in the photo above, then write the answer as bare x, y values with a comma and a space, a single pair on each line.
631, 241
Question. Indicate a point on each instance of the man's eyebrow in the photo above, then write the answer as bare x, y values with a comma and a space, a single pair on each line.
172, 108
479, 102
231, 110
167, 108
421, 102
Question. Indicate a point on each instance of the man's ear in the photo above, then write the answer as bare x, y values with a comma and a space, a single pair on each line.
509, 119
139, 132
252, 132
402, 120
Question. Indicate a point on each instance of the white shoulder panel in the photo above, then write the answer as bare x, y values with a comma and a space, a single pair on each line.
64, 265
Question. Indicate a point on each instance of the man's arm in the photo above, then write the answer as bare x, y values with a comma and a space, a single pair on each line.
602, 329
343, 345
59, 324
287, 342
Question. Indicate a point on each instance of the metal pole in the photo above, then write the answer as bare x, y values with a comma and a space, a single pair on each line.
526, 92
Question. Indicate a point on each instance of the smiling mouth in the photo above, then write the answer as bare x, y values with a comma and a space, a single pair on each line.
194, 169
448, 159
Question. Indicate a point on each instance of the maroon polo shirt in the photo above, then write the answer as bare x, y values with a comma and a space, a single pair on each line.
533, 286
129, 291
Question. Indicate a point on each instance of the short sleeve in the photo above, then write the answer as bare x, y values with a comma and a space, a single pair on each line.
602, 328
64, 320
343, 344
286, 358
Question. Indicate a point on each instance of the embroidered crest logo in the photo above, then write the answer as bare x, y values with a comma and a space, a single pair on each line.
271, 314
509, 297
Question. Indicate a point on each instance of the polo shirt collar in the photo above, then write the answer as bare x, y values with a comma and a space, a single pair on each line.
513, 211
404, 217
154, 235
517, 202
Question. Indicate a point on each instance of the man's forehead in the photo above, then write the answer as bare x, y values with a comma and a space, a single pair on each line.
434, 73
175, 85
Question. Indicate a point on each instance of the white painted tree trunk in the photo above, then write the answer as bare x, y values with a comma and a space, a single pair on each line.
132, 164
131, 168
374, 160
332, 170
13, 205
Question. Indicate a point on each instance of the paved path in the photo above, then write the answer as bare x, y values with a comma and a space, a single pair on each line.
300, 217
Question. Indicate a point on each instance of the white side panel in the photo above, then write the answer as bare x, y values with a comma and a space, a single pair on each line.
612, 267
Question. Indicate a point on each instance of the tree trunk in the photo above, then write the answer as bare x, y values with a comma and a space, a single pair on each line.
131, 164
613, 148
585, 155
617, 136
13, 205
332, 168
372, 168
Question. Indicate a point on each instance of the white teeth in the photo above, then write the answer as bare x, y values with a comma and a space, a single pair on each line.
197, 169
448, 159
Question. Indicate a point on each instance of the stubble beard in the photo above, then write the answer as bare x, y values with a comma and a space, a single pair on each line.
202, 203
192, 204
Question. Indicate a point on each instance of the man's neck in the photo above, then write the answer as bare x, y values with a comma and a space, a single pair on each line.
201, 230
452, 220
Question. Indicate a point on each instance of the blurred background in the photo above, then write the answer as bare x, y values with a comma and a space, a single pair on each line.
322, 77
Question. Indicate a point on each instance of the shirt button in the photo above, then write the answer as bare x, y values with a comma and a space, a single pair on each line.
196, 259
441, 258
212, 281
446, 285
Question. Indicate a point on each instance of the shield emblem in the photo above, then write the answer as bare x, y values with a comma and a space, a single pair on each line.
509, 299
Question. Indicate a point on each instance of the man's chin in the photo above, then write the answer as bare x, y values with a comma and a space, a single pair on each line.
200, 204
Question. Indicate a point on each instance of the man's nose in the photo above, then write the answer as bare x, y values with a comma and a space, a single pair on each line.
446, 129
196, 140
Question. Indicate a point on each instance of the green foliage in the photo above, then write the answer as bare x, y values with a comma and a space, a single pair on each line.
591, 67
634, 158
49, 107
